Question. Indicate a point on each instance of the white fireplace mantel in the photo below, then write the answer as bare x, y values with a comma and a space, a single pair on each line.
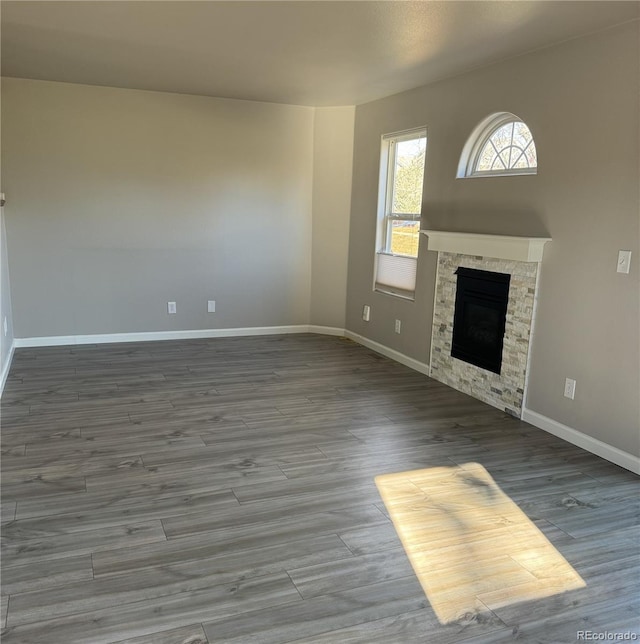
519, 249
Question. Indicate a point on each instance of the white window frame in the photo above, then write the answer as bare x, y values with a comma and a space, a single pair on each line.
397, 271
476, 142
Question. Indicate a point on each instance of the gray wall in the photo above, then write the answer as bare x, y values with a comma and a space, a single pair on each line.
6, 315
6, 341
332, 164
580, 100
121, 200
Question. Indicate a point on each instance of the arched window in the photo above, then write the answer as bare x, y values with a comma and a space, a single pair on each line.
500, 145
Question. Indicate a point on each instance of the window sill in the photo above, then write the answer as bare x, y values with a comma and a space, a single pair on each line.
386, 254
389, 290
510, 173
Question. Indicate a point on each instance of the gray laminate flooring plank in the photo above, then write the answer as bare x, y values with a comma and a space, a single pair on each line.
604, 548
300, 440
153, 615
33, 427
340, 511
414, 627
193, 425
616, 491
306, 619
49, 436
85, 410
37, 397
104, 508
13, 412
17, 551
4, 606
13, 451
370, 539
607, 616
198, 480
179, 578
185, 635
38, 486
366, 448
250, 532
620, 563
308, 486
247, 454
116, 500
584, 520
615, 587
151, 488
334, 576
564, 485
86, 447
7, 511
66, 466
43, 575
374, 465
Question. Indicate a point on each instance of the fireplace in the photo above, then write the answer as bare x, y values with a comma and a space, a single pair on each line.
505, 332
479, 317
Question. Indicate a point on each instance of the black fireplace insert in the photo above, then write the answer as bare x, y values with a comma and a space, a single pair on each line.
480, 317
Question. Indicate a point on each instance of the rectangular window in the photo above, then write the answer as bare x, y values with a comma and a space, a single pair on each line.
399, 206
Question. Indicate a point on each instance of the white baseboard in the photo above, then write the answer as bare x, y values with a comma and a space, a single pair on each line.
7, 367
422, 367
153, 336
593, 445
325, 330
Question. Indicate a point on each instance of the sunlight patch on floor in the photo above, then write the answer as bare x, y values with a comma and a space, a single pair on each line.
470, 545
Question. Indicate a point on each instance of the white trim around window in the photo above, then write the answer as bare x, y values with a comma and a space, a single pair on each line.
399, 211
500, 145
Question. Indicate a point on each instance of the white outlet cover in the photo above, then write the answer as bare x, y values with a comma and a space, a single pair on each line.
171, 308
211, 306
569, 388
366, 312
624, 261
5, 326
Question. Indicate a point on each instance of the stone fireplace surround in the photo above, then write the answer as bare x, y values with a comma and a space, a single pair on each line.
520, 257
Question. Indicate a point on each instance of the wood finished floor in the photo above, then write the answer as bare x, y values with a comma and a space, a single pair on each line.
223, 491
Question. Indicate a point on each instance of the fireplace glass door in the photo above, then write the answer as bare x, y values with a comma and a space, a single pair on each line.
480, 317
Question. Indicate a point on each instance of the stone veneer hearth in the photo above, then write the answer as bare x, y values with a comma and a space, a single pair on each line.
504, 390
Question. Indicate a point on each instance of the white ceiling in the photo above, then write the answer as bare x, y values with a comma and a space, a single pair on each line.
306, 53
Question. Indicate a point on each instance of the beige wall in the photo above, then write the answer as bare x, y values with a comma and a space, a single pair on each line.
332, 164
121, 200
580, 100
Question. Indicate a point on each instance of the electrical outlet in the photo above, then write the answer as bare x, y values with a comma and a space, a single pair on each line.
366, 312
5, 326
211, 306
624, 261
171, 308
569, 388
398, 326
